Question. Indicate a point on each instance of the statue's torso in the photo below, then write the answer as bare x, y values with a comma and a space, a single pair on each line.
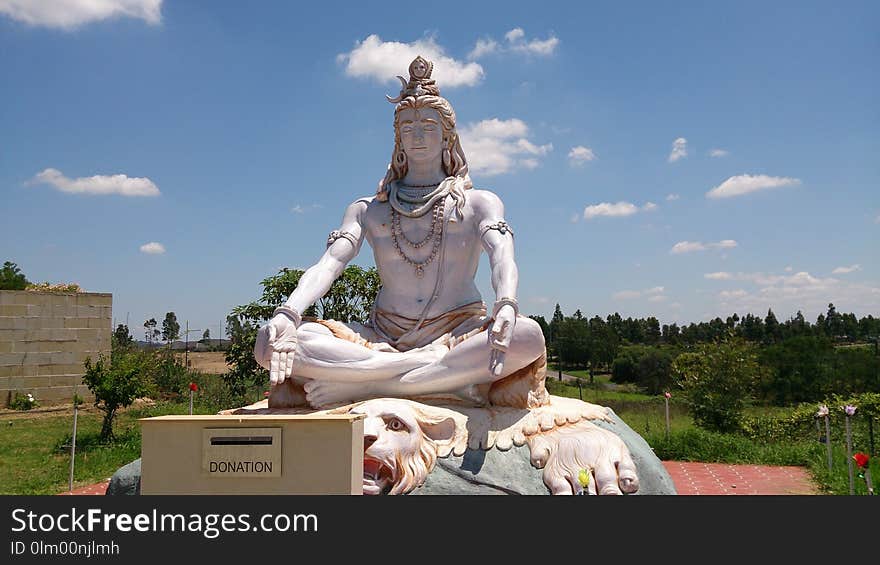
457, 260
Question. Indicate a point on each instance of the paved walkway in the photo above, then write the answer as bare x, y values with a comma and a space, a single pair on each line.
98, 488
689, 478
721, 478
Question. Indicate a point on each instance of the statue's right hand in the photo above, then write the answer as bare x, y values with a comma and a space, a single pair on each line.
282, 343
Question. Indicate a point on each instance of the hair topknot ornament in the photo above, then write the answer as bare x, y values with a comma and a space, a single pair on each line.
420, 82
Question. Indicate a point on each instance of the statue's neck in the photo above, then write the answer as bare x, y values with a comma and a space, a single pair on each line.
424, 174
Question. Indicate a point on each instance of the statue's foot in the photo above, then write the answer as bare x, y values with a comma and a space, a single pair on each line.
288, 394
475, 394
320, 393
584, 459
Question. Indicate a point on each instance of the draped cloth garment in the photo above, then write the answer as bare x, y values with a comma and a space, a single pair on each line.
387, 331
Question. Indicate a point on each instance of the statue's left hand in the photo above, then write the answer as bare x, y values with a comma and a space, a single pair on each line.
282, 343
500, 335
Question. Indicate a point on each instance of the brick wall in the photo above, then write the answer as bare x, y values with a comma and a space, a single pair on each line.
44, 339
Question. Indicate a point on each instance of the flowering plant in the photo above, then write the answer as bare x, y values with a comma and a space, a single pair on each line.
861, 459
193, 387
823, 411
849, 409
667, 394
23, 402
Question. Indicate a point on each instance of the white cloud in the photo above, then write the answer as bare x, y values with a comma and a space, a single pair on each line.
626, 295
671, 197
799, 291
744, 184
300, 209
654, 294
719, 276
482, 48
69, 14
649, 206
384, 60
617, 210
495, 147
718, 153
515, 43
679, 150
846, 270
515, 34
580, 155
691, 246
153, 248
788, 269
98, 184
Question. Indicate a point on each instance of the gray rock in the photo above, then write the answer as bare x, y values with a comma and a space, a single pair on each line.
487, 472
511, 472
126, 480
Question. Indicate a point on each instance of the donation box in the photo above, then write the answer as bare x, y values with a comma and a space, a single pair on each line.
253, 454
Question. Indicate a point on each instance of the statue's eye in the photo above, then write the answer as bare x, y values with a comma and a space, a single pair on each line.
395, 425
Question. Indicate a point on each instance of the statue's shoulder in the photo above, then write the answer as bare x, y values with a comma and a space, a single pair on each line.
484, 201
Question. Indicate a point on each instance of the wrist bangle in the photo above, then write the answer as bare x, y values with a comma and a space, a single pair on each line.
505, 301
290, 313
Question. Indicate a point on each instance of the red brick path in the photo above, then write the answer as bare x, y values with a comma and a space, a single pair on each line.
99, 488
721, 478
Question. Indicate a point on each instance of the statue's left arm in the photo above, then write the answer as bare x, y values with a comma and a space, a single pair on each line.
496, 237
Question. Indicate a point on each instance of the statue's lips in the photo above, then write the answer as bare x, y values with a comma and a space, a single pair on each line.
376, 476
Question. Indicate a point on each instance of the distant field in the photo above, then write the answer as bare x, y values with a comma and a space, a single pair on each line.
212, 362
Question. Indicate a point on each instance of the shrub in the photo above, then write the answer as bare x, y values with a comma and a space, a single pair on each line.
23, 401
717, 379
116, 384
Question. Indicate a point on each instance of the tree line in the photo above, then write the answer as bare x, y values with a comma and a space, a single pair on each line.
795, 360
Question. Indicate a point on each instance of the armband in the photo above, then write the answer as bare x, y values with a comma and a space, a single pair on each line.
336, 234
502, 226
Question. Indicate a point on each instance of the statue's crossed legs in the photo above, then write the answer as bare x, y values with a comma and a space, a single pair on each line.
336, 366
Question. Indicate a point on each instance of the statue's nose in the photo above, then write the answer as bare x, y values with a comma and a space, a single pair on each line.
371, 431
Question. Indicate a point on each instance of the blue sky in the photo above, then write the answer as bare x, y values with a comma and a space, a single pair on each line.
682, 159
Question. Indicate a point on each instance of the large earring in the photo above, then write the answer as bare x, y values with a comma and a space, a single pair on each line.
400, 158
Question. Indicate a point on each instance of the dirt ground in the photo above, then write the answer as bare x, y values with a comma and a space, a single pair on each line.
211, 362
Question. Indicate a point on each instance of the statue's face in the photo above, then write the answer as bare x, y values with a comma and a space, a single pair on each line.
421, 134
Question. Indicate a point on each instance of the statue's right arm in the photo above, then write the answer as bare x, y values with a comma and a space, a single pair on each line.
317, 279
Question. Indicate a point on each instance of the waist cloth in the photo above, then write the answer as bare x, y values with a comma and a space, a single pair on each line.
387, 331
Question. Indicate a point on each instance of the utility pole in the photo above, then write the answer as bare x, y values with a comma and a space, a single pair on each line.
186, 344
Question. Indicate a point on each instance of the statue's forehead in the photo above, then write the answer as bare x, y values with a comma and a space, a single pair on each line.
386, 407
419, 114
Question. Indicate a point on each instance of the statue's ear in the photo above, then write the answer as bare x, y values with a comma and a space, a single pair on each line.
440, 430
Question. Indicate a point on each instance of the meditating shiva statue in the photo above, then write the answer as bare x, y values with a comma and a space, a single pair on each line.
429, 331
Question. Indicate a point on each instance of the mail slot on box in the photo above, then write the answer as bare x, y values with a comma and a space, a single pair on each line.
253, 454
241, 452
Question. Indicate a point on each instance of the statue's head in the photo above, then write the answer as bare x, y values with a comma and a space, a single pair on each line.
401, 442
424, 128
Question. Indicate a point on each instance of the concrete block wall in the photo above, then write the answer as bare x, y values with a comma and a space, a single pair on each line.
44, 339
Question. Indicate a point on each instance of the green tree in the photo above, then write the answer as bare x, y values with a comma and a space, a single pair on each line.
718, 380
11, 277
349, 299
170, 328
121, 336
206, 336
116, 383
151, 334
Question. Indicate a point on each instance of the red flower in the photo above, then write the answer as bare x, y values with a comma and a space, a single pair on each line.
193, 387
266, 394
861, 459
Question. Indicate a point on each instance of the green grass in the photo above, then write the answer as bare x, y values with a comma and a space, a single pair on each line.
35, 448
